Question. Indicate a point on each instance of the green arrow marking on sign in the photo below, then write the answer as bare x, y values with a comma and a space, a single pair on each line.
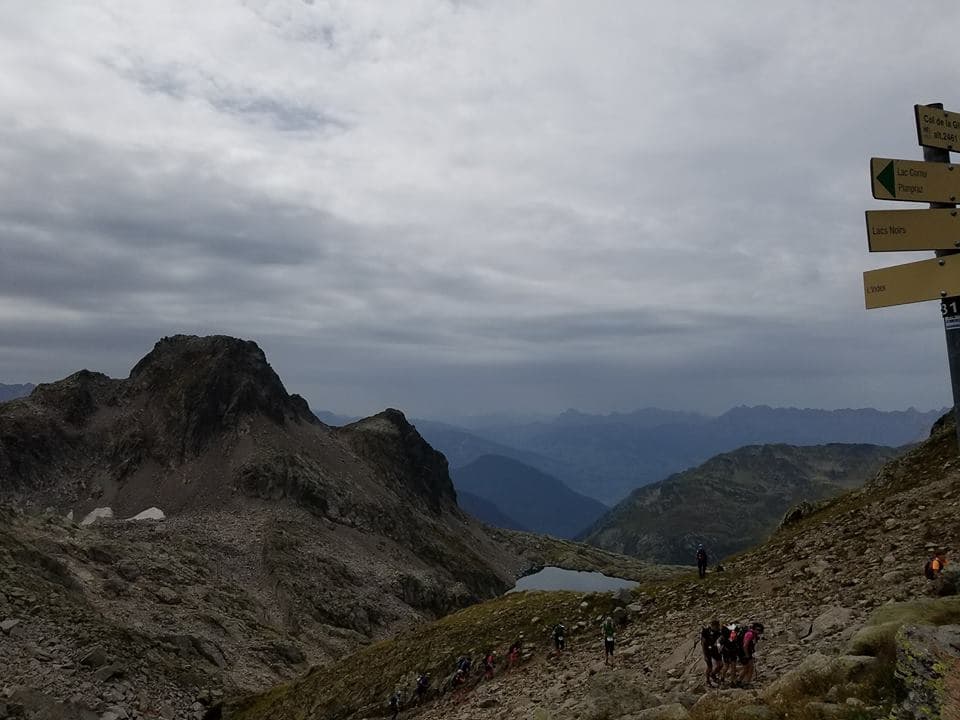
885, 178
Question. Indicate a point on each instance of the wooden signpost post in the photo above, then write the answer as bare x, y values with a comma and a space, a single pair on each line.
936, 181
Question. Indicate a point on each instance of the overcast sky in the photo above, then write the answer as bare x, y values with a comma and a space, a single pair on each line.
456, 207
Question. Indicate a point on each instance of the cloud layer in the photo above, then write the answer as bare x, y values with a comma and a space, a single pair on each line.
459, 206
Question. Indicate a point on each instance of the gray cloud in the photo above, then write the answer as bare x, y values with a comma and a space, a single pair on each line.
457, 207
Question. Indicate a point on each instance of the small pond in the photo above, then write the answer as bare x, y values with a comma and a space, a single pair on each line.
554, 578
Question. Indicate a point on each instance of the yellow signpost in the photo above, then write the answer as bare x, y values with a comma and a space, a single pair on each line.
937, 181
899, 230
937, 127
932, 279
916, 181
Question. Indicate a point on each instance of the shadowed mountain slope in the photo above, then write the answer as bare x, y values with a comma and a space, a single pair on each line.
485, 511
539, 502
732, 501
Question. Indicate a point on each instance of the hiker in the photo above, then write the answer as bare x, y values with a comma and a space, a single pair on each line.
608, 635
395, 705
513, 654
463, 670
748, 646
559, 637
701, 561
423, 684
710, 644
488, 661
935, 565
729, 654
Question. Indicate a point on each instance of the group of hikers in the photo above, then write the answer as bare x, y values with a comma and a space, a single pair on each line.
466, 674
729, 652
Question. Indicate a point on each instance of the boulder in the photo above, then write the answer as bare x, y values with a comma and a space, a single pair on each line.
9, 626
94, 657
816, 674
623, 596
948, 583
128, 570
166, 596
928, 659
831, 621
873, 639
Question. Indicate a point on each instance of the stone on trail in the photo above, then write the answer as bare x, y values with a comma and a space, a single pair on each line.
95, 657
831, 621
166, 595
8, 626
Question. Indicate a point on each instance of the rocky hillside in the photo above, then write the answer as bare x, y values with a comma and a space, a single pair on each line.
285, 543
850, 629
539, 502
732, 501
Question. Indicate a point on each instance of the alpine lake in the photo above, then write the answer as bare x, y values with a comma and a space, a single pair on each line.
554, 578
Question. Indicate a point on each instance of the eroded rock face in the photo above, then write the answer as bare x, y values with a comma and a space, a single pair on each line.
928, 668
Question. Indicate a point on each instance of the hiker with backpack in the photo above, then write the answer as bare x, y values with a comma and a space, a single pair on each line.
513, 654
559, 637
423, 685
710, 644
747, 648
701, 561
488, 662
462, 672
729, 653
935, 565
394, 705
608, 640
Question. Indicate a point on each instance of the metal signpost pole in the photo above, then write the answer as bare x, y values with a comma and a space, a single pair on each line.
949, 306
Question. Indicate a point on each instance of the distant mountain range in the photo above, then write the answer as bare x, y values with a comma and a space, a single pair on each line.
732, 501
12, 392
535, 500
607, 456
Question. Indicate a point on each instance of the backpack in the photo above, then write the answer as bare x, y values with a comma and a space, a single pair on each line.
732, 638
559, 631
701, 555
928, 570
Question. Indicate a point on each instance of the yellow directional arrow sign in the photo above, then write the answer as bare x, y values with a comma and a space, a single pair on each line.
937, 128
911, 180
931, 279
895, 230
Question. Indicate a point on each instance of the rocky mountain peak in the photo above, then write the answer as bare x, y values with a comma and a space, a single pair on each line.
206, 384
393, 445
